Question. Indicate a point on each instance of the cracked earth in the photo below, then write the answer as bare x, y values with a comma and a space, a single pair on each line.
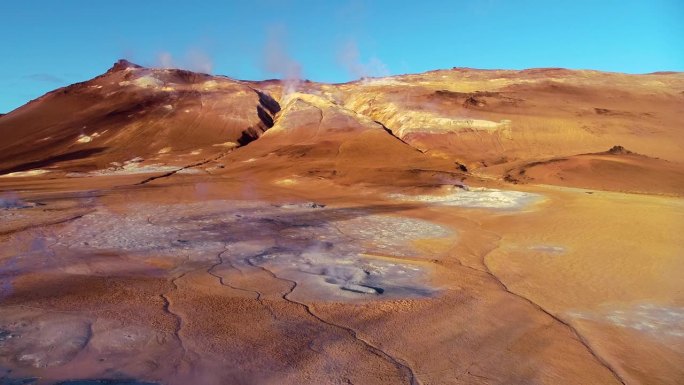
380, 289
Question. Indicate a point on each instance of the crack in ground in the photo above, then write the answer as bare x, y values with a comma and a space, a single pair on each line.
480, 377
396, 362
381, 124
177, 327
166, 307
538, 307
89, 335
320, 121
258, 294
46, 224
170, 173
389, 131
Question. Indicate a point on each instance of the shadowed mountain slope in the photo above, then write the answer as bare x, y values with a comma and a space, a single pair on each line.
132, 112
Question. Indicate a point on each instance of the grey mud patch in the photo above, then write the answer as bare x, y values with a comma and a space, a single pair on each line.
35, 340
548, 249
6, 379
658, 320
29, 381
105, 382
333, 253
480, 198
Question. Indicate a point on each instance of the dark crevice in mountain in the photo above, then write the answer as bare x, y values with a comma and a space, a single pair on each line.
266, 111
264, 116
268, 102
249, 135
387, 130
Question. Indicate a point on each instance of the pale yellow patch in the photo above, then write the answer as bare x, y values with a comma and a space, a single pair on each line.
286, 182
147, 81
226, 144
25, 173
210, 85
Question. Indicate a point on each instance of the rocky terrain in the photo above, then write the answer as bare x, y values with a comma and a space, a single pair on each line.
460, 226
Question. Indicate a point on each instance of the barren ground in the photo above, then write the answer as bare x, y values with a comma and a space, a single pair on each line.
334, 249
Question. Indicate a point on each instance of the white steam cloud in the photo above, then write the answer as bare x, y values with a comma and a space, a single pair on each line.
350, 57
165, 60
194, 60
278, 61
199, 61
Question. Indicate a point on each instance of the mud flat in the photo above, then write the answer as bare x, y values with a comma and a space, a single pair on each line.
175, 289
69, 289
608, 264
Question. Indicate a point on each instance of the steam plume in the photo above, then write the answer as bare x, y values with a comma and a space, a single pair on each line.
278, 61
350, 57
194, 60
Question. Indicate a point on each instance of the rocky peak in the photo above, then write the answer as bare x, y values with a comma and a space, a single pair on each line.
121, 65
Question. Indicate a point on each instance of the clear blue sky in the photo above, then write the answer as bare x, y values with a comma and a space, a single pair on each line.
47, 44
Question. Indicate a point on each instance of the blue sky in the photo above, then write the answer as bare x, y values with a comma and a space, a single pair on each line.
48, 44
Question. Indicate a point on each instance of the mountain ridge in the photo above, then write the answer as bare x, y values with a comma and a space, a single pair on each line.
457, 119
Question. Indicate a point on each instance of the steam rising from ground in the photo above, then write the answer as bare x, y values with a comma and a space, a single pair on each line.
278, 61
350, 57
194, 60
